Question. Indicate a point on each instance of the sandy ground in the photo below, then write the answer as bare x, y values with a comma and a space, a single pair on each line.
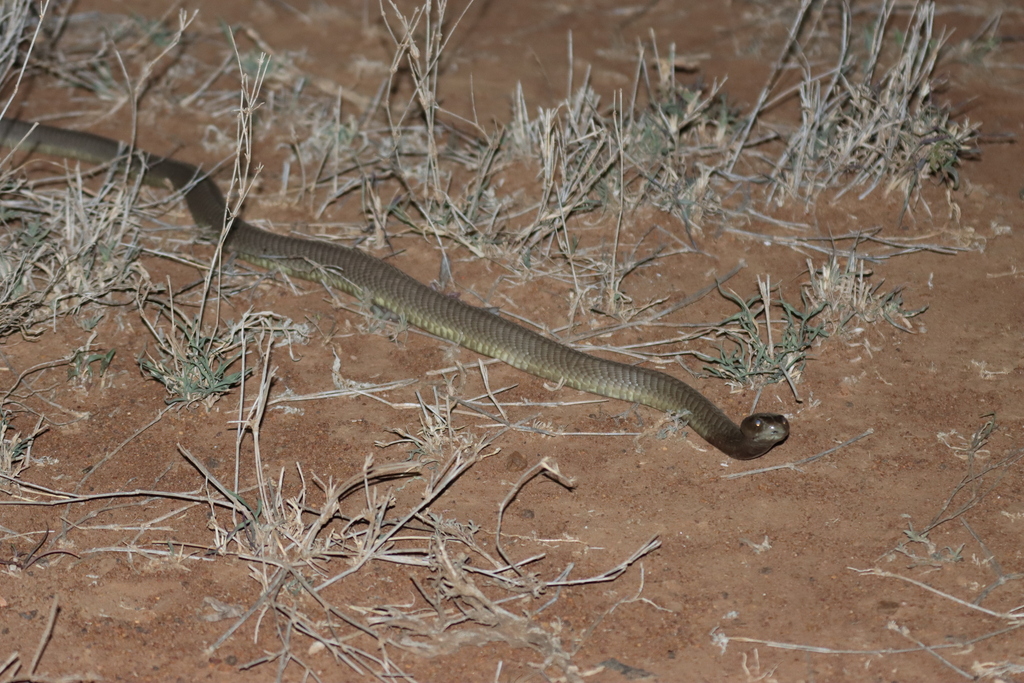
744, 566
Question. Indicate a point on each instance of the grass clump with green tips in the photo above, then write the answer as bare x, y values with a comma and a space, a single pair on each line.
16, 448
754, 353
865, 125
193, 366
196, 366
848, 298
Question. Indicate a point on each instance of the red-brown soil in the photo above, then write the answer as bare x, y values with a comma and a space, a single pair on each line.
709, 604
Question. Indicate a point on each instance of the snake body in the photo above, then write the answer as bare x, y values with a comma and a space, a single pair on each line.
376, 281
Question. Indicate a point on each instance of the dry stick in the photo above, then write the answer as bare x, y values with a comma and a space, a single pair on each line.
796, 465
548, 467
235, 501
43, 6
451, 470
1001, 578
796, 156
496, 572
961, 645
345, 652
365, 389
36, 368
1012, 616
272, 588
327, 607
242, 176
137, 91
691, 299
124, 443
806, 243
613, 286
367, 392
749, 212
520, 426
45, 637
186, 103
65, 498
8, 664
285, 655
905, 632
252, 423
891, 651
793, 31
285, 66
766, 301
487, 387
616, 571
524, 425
974, 478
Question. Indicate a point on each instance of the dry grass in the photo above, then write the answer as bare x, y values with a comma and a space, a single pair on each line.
864, 123
70, 252
845, 293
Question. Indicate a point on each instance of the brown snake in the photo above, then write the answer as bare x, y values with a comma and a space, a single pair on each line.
378, 282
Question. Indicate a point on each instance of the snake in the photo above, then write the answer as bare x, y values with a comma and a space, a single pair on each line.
375, 281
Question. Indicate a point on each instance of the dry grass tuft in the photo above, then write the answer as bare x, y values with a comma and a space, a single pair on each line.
863, 124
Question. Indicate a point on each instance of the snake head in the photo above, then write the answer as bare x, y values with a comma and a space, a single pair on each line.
762, 431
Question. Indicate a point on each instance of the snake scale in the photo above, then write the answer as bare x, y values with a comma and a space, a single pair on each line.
373, 280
